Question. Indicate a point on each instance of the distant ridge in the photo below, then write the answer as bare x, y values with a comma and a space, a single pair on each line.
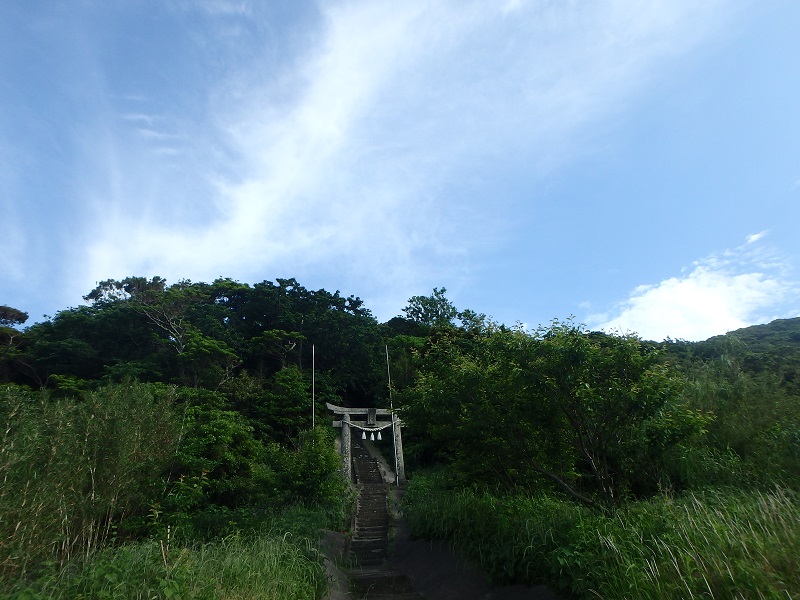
763, 338
772, 347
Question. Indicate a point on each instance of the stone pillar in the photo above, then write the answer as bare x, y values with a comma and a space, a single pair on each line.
398, 448
347, 463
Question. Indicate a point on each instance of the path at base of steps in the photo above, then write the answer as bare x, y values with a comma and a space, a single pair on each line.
415, 569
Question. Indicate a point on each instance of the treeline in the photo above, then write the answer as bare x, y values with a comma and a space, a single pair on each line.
213, 336
602, 418
158, 406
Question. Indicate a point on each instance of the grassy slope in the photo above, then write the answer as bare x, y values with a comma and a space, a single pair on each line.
712, 545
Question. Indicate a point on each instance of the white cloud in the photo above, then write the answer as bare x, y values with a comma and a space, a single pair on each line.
343, 160
753, 238
725, 291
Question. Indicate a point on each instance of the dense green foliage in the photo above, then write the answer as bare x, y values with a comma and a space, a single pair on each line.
601, 417
179, 411
181, 415
132, 459
204, 335
592, 414
74, 468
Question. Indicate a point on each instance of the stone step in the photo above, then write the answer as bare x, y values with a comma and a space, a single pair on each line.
370, 534
370, 530
368, 479
370, 537
377, 497
367, 524
371, 508
374, 513
368, 545
362, 527
370, 499
367, 529
376, 522
367, 513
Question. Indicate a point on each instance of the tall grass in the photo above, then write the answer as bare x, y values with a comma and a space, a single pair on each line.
723, 544
75, 471
72, 469
712, 545
266, 566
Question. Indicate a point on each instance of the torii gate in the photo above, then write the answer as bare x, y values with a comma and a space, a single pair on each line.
368, 423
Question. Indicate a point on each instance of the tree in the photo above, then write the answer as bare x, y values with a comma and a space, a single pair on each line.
591, 413
619, 400
433, 310
10, 317
10, 339
218, 455
201, 359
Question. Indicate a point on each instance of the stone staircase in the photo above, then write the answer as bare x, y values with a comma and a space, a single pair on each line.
372, 579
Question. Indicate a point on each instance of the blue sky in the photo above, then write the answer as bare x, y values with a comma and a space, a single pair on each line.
634, 164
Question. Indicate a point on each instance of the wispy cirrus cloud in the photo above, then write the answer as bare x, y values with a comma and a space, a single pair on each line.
725, 291
351, 158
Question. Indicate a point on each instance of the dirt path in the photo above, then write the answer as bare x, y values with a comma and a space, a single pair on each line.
407, 569
436, 572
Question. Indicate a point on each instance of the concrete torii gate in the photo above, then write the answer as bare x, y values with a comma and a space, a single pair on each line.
368, 422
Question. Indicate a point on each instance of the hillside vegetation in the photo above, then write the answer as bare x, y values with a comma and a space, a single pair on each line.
160, 430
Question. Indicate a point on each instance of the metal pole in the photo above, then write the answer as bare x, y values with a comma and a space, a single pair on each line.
313, 384
391, 406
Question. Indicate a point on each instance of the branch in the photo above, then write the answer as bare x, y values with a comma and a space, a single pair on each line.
568, 488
